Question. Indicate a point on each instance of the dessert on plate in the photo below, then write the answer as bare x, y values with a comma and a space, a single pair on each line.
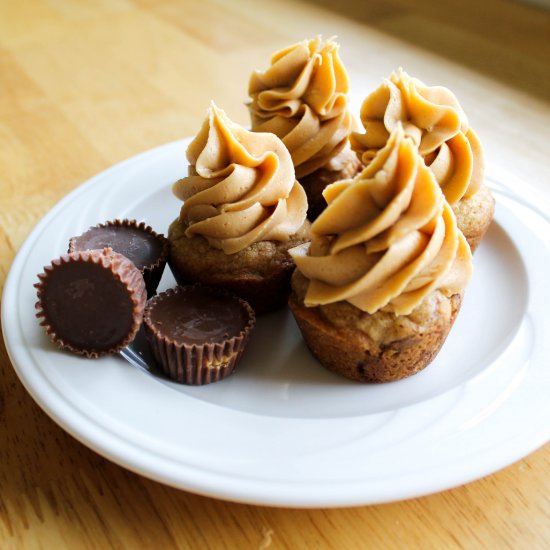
145, 248
91, 302
196, 333
377, 290
243, 209
302, 97
433, 119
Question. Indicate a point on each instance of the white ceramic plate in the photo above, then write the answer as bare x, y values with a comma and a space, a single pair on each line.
282, 430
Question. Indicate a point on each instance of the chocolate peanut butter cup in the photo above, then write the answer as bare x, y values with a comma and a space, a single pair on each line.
91, 302
144, 247
197, 333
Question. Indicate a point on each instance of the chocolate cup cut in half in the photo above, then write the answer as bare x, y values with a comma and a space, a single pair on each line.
197, 333
144, 247
91, 302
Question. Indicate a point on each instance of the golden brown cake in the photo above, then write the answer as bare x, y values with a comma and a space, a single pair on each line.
378, 289
260, 273
243, 209
433, 119
303, 98
373, 348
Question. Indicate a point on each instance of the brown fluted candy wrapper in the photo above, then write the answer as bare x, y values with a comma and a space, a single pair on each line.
147, 249
91, 302
196, 333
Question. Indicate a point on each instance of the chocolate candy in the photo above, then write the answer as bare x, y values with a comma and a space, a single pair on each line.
197, 333
138, 242
91, 302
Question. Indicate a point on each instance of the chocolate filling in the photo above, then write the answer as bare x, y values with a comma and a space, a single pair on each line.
86, 306
199, 317
138, 246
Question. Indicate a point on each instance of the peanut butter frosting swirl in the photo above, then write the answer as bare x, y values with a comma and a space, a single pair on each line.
434, 120
387, 237
302, 98
240, 187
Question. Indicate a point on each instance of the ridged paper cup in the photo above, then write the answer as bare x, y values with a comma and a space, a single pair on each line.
147, 249
91, 302
197, 333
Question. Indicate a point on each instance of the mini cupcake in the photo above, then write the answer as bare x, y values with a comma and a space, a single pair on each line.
377, 290
137, 241
91, 302
197, 334
302, 98
434, 120
242, 211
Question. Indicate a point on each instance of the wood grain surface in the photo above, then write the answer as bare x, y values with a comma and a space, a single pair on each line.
84, 84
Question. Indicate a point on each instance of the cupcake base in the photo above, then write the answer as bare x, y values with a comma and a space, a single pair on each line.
474, 215
381, 347
259, 274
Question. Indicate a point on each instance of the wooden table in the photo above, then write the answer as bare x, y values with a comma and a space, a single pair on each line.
86, 84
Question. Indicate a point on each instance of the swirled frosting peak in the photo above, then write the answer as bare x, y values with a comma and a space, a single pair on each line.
434, 120
387, 237
240, 187
302, 98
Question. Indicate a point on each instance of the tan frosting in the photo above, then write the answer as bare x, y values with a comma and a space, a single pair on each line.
241, 187
387, 237
302, 98
432, 117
